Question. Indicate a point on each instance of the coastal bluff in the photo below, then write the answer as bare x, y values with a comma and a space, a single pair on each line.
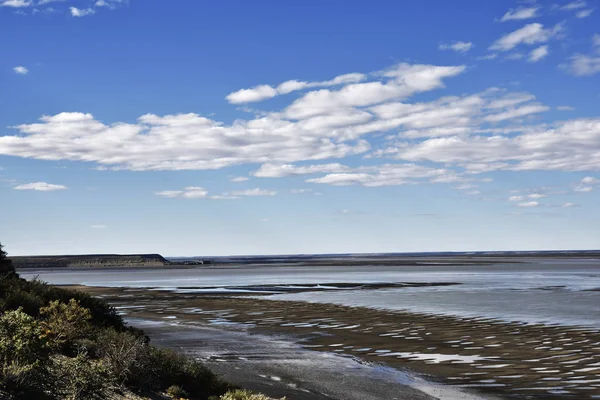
90, 261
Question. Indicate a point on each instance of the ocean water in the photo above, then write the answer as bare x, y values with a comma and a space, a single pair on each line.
551, 291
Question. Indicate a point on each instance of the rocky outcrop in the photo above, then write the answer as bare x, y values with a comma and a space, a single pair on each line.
91, 261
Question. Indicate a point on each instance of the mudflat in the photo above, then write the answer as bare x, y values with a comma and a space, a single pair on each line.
506, 359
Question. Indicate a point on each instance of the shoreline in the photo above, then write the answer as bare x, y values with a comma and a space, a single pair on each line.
493, 357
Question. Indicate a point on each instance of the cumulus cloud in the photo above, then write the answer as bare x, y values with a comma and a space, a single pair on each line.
590, 180
520, 13
459, 47
15, 3
175, 142
40, 186
567, 146
81, 12
529, 34
21, 70
400, 81
537, 54
319, 125
263, 92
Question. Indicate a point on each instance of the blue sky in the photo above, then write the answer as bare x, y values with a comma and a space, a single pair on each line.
237, 127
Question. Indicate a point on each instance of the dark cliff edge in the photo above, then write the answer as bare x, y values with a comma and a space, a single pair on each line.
90, 261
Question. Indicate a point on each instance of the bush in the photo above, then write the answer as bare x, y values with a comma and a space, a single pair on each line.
126, 356
63, 323
23, 354
79, 378
244, 395
177, 369
176, 392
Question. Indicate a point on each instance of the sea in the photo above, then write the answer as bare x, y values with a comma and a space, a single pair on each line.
562, 290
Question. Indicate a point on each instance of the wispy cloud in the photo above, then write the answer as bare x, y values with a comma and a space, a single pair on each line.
537, 54
254, 192
40, 186
520, 13
263, 92
529, 34
459, 47
98, 226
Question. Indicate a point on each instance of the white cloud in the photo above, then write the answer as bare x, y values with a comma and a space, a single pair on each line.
537, 54
239, 179
575, 5
590, 180
536, 196
459, 47
40, 186
80, 12
300, 191
491, 56
584, 13
254, 192
111, 4
516, 198
565, 108
583, 189
402, 81
566, 146
194, 192
98, 226
529, 34
169, 193
520, 13
389, 175
263, 92
568, 205
15, 3
281, 170
583, 65
529, 204
176, 142
21, 70
596, 40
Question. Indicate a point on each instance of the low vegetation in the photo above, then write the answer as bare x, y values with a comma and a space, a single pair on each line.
66, 344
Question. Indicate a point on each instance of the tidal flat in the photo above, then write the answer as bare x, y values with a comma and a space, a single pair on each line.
478, 356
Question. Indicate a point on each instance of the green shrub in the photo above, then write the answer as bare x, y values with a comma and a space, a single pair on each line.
79, 378
23, 354
177, 369
176, 392
126, 356
244, 395
63, 323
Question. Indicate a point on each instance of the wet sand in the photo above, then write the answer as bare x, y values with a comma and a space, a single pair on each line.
495, 358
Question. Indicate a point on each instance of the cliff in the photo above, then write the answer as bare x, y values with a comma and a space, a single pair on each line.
90, 261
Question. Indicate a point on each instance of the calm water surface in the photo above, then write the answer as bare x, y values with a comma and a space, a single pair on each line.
548, 291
